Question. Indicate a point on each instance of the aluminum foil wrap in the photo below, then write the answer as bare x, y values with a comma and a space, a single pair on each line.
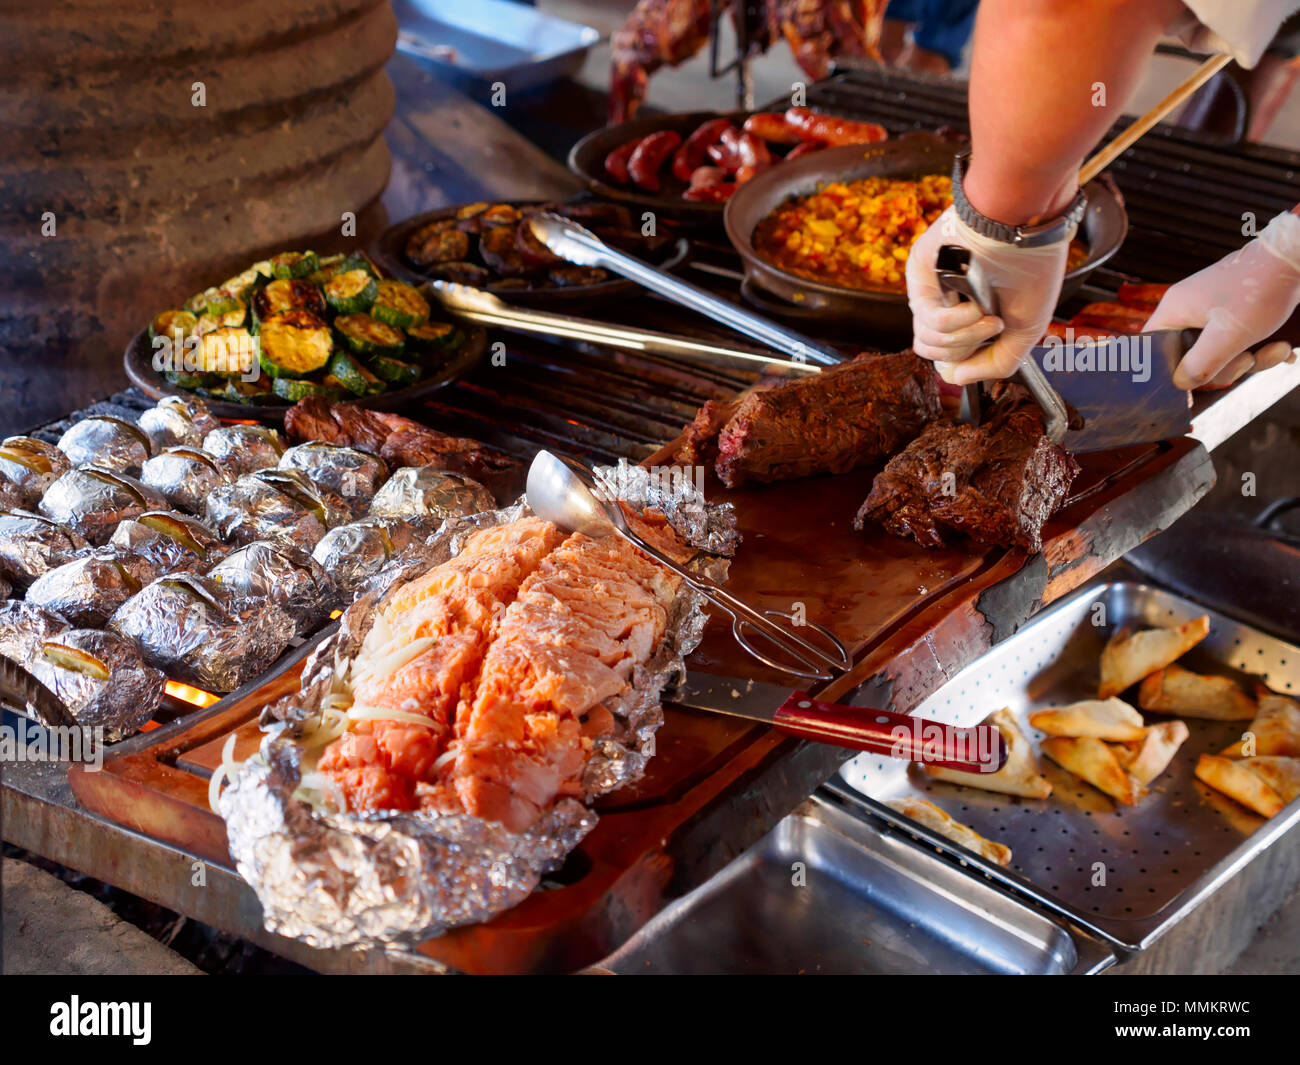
92, 501
241, 449
169, 541
107, 442
286, 576
92, 586
11, 496
279, 505
196, 631
355, 552
178, 421
338, 879
32, 545
24, 627
27, 467
184, 476
427, 497
345, 471
102, 679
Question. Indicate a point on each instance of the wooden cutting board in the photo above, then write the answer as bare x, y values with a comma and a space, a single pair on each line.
911, 617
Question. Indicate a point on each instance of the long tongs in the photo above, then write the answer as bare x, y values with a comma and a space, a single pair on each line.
475, 305
563, 492
573, 242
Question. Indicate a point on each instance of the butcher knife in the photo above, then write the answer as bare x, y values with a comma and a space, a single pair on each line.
972, 750
1122, 387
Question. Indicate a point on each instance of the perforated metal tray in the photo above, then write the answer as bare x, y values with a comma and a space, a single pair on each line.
1128, 873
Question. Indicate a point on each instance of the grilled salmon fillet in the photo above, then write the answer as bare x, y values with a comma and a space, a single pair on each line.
510, 650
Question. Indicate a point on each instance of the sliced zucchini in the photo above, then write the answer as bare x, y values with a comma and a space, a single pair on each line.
351, 292
350, 374
294, 344
253, 393
395, 371
293, 390
191, 380
283, 295
330, 266
433, 337
235, 315
174, 324
366, 336
400, 304
359, 260
294, 264
198, 303
241, 285
226, 350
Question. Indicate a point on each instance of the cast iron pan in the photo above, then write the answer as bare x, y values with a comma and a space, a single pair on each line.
390, 252
778, 292
587, 161
138, 362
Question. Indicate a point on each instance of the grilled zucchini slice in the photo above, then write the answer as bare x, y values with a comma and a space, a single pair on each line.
294, 264
178, 325
367, 336
293, 389
396, 372
399, 304
283, 295
222, 311
181, 379
294, 344
226, 350
430, 338
351, 292
350, 374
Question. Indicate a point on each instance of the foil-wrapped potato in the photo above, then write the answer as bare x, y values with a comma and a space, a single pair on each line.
184, 476
345, 471
279, 505
197, 631
427, 497
242, 449
93, 501
24, 627
108, 443
354, 552
88, 589
101, 678
28, 467
32, 545
178, 421
169, 541
286, 576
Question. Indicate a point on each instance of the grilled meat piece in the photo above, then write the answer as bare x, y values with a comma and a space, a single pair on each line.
853, 414
657, 33
402, 442
998, 483
819, 30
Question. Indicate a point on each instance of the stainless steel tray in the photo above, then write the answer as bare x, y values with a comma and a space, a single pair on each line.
825, 892
493, 40
1161, 857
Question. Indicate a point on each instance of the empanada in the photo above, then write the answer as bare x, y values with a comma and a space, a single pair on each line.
1280, 774
1147, 758
1089, 758
1130, 656
1103, 719
1236, 781
1276, 727
1174, 690
1018, 775
937, 820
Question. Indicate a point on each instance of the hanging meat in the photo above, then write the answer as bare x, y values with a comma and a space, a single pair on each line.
662, 33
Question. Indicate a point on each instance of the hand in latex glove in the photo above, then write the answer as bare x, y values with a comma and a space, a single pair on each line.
1027, 282
1237, 302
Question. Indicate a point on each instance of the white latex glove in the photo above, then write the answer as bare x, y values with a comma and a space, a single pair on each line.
1237, 302
1027, 282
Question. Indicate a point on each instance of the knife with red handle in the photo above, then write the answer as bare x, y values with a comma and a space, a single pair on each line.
973, 750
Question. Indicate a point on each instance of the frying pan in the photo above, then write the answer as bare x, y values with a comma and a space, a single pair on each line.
778, 291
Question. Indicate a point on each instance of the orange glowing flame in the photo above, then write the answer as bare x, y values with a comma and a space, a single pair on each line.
335, 614
187, 694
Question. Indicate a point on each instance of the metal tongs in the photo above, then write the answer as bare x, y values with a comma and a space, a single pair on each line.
960, 277
475, 305
563, 492
573, 242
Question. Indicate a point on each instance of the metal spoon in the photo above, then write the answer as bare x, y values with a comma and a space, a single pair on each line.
561, 492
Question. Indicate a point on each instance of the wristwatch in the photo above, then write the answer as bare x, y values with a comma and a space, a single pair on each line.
1035, 236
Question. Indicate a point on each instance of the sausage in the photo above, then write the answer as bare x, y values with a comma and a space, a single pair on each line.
726, 152
693, 151
707, 175
804, 148
616, 161
718, 193
771, 126
832, 130
649, 155
754, 157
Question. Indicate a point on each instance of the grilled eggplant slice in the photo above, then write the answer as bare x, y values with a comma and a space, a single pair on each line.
462, 273
287, 295
438, 242
368, 336
351, 292
399, 304
498, 249
294, 344
294, 264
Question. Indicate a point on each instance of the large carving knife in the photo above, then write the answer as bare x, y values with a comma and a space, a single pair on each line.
1122, 387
